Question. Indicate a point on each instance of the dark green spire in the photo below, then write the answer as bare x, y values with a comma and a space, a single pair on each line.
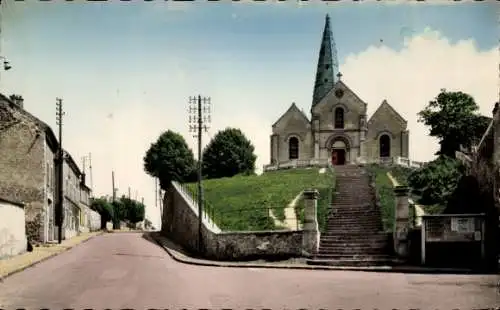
325, 73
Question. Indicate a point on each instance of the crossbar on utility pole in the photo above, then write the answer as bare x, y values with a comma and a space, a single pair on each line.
199, 115
60, 164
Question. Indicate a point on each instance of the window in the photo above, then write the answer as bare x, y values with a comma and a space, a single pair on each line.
339, 118
385, 146
327, 67
293, 148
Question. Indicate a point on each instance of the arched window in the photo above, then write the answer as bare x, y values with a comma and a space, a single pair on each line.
293, 148
339, 118
385, 146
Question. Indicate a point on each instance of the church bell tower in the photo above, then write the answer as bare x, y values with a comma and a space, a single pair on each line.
327, 64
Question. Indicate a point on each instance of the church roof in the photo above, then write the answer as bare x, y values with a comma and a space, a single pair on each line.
387, 105
291, 109
327, 64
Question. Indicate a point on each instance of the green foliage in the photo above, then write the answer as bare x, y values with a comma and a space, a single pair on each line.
169, 159
453, 119
437, 180
105, 210
243, 202
134, 211
128, 210
229, 153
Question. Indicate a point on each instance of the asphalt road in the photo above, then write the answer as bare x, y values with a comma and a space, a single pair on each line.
123, 270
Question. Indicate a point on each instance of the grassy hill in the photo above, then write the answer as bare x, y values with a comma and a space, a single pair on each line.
243, 202
385, 189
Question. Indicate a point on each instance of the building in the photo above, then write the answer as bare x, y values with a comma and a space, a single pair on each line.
86, 223
28, 147
72, 195
338, 130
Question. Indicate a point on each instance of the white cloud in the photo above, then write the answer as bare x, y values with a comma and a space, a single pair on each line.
413, 76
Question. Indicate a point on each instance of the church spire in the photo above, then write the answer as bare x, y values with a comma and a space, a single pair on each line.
327, 64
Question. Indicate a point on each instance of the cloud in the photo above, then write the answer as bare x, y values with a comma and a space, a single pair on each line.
411, 77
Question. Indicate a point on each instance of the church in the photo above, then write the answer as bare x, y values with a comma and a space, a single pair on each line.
338, 129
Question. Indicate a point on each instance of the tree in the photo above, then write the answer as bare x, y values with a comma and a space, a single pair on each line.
228, 154
105, 210
453, 119
169, 159
437, 181
132, 210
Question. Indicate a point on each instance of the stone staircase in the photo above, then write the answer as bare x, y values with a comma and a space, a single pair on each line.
354, 234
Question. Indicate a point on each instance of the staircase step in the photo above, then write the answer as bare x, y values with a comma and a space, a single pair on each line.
355, 244
353, 251
348, 236
352, 262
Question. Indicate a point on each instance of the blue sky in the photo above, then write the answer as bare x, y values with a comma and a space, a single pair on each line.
126, 70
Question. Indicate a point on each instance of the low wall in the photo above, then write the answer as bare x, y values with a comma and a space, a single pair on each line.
180, 223
12, 228
94, 220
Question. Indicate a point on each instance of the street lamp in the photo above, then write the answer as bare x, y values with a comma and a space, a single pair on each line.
6, 64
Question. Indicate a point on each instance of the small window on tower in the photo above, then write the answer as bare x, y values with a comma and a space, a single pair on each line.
327, 67
326, 80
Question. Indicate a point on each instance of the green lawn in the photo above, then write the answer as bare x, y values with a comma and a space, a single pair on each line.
385, 189
242, 202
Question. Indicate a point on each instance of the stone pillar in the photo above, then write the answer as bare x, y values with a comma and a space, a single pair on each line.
401, 222
310, 231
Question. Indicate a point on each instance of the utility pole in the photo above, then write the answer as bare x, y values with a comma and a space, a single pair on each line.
199, 110
113, 184
129, 192
156, 192
60, 164
90, 171
84, 165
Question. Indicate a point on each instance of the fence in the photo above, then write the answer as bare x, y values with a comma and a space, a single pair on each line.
297, 163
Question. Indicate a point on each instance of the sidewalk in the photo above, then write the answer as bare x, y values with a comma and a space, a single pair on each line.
179, 255
20, 262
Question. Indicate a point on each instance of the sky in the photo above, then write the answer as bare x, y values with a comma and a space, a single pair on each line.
125, 71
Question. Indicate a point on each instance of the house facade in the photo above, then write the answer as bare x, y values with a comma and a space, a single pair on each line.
27, 151
72, 196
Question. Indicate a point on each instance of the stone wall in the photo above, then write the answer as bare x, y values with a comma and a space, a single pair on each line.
180, 223
12, 229
22, 166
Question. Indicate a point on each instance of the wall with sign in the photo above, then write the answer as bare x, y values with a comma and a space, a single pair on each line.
453, 240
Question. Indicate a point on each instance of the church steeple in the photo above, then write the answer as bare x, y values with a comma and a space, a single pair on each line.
327, 65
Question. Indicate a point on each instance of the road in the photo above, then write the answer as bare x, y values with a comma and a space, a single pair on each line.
123, 270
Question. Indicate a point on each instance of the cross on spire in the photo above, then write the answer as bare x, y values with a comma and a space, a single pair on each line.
339, 75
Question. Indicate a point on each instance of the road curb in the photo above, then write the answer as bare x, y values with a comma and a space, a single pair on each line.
2, 278
403, 269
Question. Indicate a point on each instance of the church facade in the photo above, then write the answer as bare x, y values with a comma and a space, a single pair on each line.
338, 130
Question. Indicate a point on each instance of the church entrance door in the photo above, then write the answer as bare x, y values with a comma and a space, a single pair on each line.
338, 157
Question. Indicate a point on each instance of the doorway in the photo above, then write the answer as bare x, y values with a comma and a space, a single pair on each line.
338, 157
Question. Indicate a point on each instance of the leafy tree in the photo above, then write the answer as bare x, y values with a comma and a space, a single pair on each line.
228, 154
437, 181
105, 210
453, 119
119, 214
169, 159
133, 211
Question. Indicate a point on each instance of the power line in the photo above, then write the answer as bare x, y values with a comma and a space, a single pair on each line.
199, 117
60, 164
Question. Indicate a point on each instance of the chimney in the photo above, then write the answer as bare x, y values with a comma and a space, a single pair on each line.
20, 102
83, 179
